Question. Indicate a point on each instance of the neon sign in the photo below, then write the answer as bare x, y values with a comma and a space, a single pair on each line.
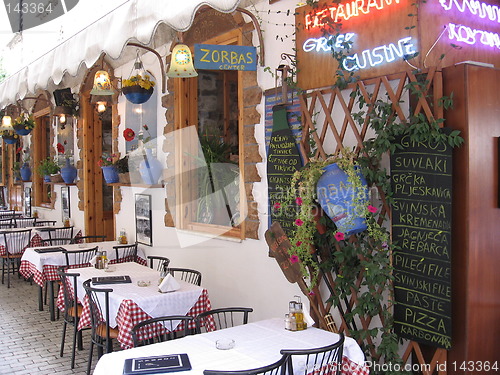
385, 53
344, 12
475, 7
326, 44
465, 34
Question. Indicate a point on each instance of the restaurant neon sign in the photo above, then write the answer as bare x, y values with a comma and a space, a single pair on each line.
344, 12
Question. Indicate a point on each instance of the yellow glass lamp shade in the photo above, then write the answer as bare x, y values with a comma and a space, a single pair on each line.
181, 64
102, 84
6, 123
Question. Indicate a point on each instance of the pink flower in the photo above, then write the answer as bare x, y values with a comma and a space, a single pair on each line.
311, 293
298, 222
298, 200
372, 209
339, 236
294, 259
277, 206
298, 243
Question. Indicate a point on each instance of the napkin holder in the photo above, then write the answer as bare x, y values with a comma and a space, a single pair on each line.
169, 284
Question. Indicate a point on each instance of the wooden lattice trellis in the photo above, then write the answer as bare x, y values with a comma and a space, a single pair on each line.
327, 118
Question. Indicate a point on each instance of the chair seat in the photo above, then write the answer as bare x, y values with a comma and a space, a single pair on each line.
101, 331
79, 309
11, 256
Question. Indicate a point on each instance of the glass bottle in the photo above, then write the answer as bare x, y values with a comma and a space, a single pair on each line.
122, 239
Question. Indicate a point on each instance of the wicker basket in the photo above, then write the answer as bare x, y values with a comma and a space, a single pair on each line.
56, 178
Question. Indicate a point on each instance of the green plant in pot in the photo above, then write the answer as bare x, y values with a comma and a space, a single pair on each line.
48, 167
24, 124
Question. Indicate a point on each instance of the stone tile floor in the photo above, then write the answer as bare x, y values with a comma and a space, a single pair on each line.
29, 341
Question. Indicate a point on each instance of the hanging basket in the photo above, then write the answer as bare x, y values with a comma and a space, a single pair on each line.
22, 130
10, 139
136, 94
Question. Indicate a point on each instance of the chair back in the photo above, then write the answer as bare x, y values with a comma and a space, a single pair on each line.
161, 263
16, 242
186, 274
43, 223
222, 318
68, 284
125, 253
7, 214
323, 360
60, 232
88, 239
80, 258
6, 222
56, 241
24, 222
160, 329
99, 315
276, 368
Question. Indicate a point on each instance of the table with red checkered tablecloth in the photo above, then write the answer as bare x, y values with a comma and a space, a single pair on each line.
131, 304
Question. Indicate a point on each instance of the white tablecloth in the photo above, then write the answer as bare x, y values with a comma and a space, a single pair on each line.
147, 298
59, 259
256, 344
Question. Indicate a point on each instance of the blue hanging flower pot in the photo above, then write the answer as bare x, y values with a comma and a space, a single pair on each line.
341, 201
9, 139
136, 94
21, 130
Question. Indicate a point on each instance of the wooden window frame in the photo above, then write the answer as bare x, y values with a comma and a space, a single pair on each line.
39, 145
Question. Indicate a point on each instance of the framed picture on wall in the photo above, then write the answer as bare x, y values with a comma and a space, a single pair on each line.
65, 204
27, 202
143, 218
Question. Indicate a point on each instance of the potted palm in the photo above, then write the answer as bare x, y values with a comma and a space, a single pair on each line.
47, 168
138, 88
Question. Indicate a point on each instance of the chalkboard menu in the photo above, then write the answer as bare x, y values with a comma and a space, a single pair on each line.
421, 176
283, 160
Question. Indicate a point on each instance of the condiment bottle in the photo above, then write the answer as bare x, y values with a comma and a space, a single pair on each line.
104, 259
293, 318
122, 239
299, 314
98, 260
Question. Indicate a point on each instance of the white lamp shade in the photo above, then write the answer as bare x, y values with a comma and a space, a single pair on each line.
6, 123
181, 64
102, 84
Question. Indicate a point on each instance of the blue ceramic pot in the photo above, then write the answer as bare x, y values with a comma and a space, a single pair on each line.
46, 178
150, 168
25, 172
110, 174
137, 94
9, 139
68, 172
21, 130
336, 196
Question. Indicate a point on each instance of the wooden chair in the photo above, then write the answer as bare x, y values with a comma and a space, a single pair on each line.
125, 253
24, 222
325, 360
276, 368
72, 311
101, 333
161, 263
186, 274
80, 258
160, 329
15, 244
89, 239
223, 318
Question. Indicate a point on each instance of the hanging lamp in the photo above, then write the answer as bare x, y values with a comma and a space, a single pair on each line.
102, 84
181, 63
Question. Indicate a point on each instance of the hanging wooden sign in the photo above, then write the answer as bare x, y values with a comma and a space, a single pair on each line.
224, 57
421, 176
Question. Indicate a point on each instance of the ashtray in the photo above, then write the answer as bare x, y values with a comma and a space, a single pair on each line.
143, 283
110, 269
224, 344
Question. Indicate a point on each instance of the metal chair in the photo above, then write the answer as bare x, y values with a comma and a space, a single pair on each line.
125, 253
24, 222
80, 258
7, 214
101, 333
15, 244
160, 329
323, 360
161, 263
56, 241
222, 318
43, 223
72, 311
7, 223
88, 239
60, 232
276, 368
186, 274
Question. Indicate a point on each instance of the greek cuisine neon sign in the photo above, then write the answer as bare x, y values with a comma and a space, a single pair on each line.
343, 12
466, 34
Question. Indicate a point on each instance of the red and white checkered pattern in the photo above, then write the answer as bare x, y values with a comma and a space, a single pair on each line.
36, 240
352, 368
129, 314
